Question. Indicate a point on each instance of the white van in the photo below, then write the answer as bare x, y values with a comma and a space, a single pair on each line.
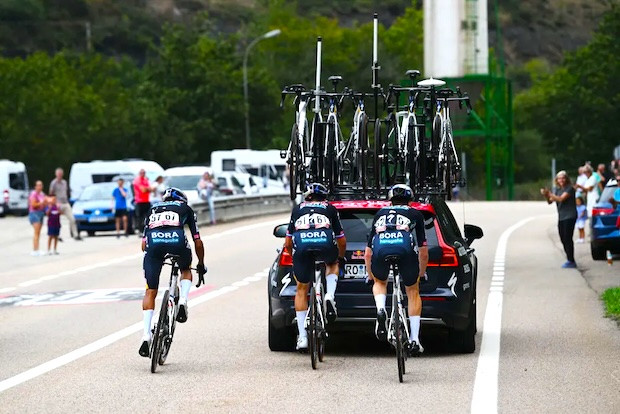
266, 164
84, 174
13, 187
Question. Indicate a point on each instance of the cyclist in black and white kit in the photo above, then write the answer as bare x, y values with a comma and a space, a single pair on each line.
398, 230
314, 224
163, 234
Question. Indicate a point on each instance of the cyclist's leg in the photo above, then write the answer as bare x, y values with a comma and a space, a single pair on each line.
303, 268
379, 270
185, 261
409, 267
152, 267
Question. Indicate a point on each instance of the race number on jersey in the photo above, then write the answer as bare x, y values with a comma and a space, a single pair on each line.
392, 221
166, 218
314, 220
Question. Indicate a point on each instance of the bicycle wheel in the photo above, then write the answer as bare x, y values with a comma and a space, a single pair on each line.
398, 339
377, 167
159, 332
312, 331
435, 141
321, 333
362, 160
391, 152
292, 163
412, 165
169, 331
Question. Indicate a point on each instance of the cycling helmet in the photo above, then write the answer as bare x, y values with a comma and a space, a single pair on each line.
174, 194
316, 191
400, 193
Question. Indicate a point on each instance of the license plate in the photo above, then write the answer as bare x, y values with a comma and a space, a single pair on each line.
97, 219
355, 271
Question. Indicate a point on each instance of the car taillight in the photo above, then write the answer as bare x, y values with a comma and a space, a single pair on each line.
448, 258
602, 211
6, 196
286, 259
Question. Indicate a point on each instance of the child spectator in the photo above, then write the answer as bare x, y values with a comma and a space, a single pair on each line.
582, 216
53, 224
120, 207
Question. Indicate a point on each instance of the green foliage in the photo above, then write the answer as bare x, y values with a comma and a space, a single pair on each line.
574, 108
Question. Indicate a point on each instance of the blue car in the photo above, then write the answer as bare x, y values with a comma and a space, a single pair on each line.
94, 210
604, 234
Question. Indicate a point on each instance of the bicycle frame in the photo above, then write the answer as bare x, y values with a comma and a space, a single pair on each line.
397, 296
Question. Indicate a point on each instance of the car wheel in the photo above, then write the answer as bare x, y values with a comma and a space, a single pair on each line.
283, 339
91, 233
464, 342
598, 253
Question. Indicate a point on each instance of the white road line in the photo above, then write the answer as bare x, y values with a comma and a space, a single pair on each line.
484, 398
7, 289
118, 260
103, 342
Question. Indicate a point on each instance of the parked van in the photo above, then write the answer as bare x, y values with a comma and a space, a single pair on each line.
266, 164
84, 174
185, 179
14, 187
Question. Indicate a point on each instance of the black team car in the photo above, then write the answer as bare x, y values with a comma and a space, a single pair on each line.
448, 293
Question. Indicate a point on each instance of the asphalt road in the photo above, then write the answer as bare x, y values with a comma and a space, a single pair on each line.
71, 331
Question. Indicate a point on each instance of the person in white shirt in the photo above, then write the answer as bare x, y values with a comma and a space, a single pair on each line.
581, 180
590, 188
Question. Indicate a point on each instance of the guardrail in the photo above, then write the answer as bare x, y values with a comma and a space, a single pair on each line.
242, 206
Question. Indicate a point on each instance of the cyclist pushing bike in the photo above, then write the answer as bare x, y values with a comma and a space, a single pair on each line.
163, 234
314, 227
391, 234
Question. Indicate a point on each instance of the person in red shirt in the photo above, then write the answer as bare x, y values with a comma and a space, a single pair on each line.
142, 194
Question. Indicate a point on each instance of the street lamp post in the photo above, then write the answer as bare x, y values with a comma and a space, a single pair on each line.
246, 104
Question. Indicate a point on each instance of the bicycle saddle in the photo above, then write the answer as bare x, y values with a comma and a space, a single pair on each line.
392, 258
431, 82
412, 73
172, 256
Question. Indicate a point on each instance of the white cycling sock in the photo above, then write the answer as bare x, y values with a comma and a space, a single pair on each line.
186, 285
147, 316
301, 323
380, 301
332, 282
414, 323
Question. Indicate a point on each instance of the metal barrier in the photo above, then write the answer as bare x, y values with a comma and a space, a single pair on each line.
242, 206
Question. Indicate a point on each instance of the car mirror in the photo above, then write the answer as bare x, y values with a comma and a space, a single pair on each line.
280, 231
435, 254
472, 233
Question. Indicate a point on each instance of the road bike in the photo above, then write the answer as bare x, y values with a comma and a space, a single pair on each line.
333, 144
398, 329
163, 331
298, 146
355, 154
315, 320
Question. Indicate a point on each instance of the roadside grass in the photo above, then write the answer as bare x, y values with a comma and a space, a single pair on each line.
611, 297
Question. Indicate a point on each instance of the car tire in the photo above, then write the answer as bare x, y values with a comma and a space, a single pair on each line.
598, 253
464, 342
281, 340
91, 233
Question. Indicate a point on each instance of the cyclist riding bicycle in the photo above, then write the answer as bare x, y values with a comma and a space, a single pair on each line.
163, 234
392, 234
315, 226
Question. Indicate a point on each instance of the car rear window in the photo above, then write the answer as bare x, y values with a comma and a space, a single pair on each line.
356, 225
17, 181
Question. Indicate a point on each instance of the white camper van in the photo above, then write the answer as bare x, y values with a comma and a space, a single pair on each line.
84, 174
13, 187
266, 164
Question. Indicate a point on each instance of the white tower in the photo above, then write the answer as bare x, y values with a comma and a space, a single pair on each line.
455, 38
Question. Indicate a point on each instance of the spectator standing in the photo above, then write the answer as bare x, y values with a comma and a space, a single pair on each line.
582, 217
580, 181
53, 225
36, 212
120, 208
590, 189
158, 189
142, 197
603, 177
206, 188
60, 189
564, 197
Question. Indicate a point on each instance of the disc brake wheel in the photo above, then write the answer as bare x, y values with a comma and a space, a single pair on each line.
312, 331
158, 337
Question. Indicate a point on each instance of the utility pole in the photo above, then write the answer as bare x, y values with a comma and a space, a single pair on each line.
89, 43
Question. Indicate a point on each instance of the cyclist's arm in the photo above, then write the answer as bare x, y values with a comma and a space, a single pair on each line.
193, 228
288, 241
341, 240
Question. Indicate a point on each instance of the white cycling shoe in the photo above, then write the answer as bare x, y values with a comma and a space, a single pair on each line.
302, 343
145, 348
415, 348
332, 312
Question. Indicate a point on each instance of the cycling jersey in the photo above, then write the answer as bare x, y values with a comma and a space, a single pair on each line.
314, 228
397, 230
163, 233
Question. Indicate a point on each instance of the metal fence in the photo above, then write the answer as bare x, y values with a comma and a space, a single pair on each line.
242, 206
